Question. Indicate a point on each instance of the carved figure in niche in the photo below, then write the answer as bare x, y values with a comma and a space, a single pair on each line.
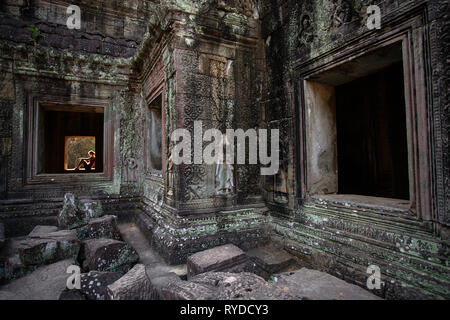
306, 35
170, 176
130, 166
224, 173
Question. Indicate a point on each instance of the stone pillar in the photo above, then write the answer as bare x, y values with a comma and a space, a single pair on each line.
212, 80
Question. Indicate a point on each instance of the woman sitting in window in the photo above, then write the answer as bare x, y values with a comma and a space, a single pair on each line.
88, 164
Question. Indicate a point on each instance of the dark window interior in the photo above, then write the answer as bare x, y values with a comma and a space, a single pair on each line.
371, 135
156, 134
60, 124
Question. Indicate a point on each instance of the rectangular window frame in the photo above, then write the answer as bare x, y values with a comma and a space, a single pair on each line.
151, 171
413, 39
32, 135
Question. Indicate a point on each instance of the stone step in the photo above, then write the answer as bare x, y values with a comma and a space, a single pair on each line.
46, 283
271, 259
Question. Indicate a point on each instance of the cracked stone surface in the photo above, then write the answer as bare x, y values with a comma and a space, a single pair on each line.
108, 255
316, 285
45, 283
225, 286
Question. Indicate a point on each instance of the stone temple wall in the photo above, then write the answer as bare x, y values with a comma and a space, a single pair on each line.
90, 66
342, 237
207, 62
230, 64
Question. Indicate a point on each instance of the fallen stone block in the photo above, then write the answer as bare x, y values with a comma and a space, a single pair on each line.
270, 260
310, 284
108, 255
70, 217
186, 290
12, 268
39, 230
223, 258
49, 248
94, 284
76, 214
103, 227
224, 286
134, 285
160, 276
45, 283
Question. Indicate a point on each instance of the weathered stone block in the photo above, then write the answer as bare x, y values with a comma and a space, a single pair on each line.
12, 268
49, 248
70, 216
270, 260
40, 230
186, 290
135, 285
94, 284
223, 258
316, 285
224, 286
103, 227
68, 294
108, 255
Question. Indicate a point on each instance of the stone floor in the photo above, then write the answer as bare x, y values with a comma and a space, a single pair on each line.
148, 257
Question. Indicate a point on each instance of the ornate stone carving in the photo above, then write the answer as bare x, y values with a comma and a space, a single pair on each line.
306, 34
341, 12
224, 174
194, 176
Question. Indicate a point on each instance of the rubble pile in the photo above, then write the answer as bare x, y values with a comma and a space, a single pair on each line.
85, 236
110, 269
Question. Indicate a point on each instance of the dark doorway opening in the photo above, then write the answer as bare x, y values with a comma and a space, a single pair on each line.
371, 135
59, 125
155, 134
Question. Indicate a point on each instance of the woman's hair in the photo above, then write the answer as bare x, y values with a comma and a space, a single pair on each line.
91, 152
